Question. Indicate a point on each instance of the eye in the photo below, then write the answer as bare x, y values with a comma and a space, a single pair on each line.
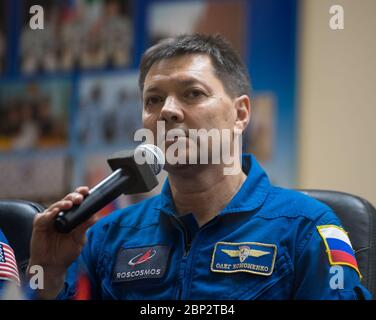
194, 94
153, 100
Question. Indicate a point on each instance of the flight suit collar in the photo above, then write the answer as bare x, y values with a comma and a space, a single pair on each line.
251, 195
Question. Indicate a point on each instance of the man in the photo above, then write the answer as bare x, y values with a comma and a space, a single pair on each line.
8, 264
208, 235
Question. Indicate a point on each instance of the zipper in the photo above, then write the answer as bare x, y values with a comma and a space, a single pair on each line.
187, 268
187, 243
187, 247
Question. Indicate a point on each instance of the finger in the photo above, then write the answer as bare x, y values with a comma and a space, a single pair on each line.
78, 195
84, 190
62, 205
45, 219
75, 197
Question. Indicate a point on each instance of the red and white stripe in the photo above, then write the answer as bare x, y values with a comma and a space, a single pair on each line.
8, 269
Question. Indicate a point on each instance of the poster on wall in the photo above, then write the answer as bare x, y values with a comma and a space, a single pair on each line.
34, 114
42, 177
109, 110
77, 35
168, 18
259, 138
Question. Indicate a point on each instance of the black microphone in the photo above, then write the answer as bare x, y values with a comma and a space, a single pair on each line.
134, 172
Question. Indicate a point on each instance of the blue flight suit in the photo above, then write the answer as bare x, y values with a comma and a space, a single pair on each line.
265, 244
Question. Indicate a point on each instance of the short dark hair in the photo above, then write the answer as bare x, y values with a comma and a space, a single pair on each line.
227, 64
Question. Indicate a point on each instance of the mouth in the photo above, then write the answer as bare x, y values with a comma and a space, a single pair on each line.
175, 136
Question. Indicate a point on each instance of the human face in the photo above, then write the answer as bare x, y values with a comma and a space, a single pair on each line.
185, 93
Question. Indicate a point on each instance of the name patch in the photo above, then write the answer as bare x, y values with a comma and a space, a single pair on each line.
140, 263
252, 257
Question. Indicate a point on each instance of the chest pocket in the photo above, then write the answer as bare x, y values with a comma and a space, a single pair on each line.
160, 289
274, 287
245, 285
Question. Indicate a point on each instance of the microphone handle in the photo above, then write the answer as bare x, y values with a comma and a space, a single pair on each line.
98, 197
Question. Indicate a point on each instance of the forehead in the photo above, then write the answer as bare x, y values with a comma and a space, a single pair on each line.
180, 69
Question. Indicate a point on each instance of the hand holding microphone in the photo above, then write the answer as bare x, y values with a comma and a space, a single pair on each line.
59, 232
134, 172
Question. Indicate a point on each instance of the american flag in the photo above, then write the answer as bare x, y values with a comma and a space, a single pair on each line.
8, 264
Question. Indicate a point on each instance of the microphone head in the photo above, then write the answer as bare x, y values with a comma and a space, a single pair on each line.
150, 154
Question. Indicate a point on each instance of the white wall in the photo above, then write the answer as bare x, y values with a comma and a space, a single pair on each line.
337, 98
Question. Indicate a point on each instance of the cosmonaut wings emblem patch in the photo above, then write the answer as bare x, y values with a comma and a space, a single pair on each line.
252, 257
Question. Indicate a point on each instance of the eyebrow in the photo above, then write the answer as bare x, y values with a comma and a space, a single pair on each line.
181, 82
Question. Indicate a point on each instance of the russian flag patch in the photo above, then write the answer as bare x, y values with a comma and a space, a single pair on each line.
338, 246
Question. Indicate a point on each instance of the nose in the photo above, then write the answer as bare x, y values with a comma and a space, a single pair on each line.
171, 111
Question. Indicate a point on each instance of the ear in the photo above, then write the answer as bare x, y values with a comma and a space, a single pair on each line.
243, 112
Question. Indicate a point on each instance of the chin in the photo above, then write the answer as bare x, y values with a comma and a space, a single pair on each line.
180, 167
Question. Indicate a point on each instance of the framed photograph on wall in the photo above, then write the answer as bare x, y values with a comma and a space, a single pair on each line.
109, 110
42, 177
77, 35
168, 18
34, 114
